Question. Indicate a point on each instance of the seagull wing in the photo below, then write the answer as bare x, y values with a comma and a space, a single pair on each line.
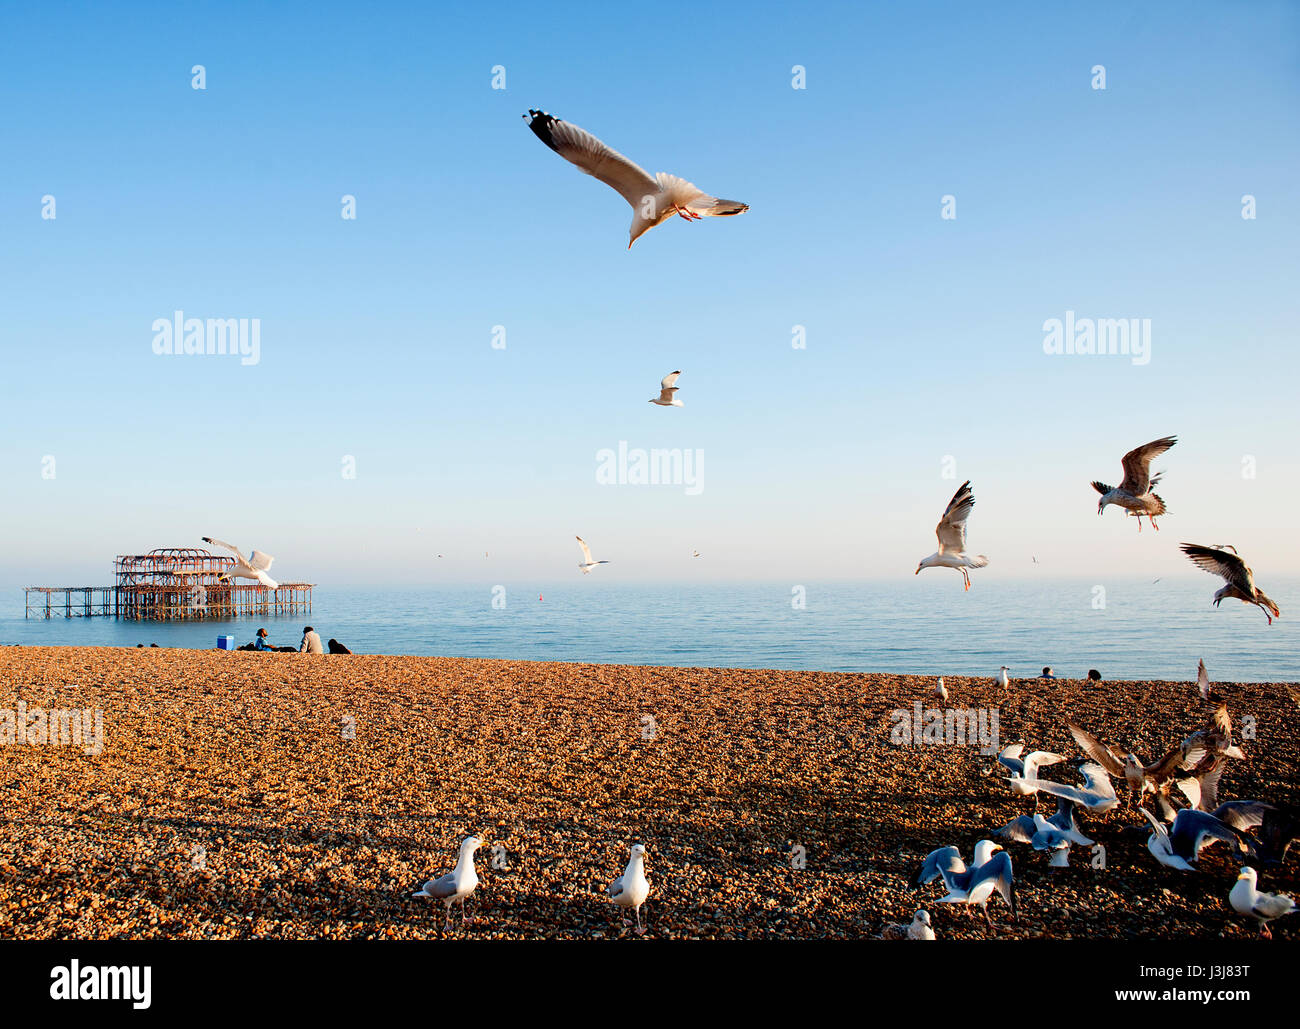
260, 561
951, 529
586, 550
1184, 755
441, 887
577, 146
690, 196
1137, 465
1202, 680
1040, 759
615, 889
669, 381
1243, 814
1096, 750
1228, 566
229, 546
939, 861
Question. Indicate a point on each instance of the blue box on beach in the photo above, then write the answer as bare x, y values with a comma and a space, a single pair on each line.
225, 643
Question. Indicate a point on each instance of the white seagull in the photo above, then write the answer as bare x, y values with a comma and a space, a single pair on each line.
1096, 794
457, 884
1134, 493
631, 889
918, 929
654, 199
1180, 846
1003, 678
1234, 571
940, 690
254, 567
1024, 771
666, 391
951, 531
976, 886
587, 564
1262, 907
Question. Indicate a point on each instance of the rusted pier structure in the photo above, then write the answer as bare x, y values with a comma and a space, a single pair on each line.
170, 584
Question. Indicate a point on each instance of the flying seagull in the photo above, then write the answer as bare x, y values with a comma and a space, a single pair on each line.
1025, 769
1180, 846
631, 889
1262, 907
587, 564
255, 567
918, 929
1134, 493
948, 859
951, 531
1233, 570
1096, 794
666, 391
457, 884
654, 199
1141, 778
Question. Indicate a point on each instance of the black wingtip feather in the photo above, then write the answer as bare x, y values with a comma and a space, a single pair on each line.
541, 122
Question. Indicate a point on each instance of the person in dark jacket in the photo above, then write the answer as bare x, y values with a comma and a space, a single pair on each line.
338, 648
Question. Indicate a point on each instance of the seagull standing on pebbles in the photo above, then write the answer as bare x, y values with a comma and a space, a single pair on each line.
631, 889
666, 390
1004, 679
457, 884
1134, 493
1262, 907
587, 564
654, 199
1234, 571
940, 690
951, 532
918, 929
977, 885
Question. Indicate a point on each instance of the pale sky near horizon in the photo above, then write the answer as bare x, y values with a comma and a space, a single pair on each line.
924, 335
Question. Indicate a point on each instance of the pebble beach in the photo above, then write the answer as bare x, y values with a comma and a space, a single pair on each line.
267, 795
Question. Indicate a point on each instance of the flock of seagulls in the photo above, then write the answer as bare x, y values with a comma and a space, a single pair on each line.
1136, 495
629, 890
1189, 817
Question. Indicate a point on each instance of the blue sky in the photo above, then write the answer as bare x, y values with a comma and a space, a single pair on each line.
924, 335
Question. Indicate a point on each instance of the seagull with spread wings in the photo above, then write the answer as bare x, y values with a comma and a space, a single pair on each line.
951, 531
654, 198
1134, 493
587, 564
254, 567
1234, 571
1140, 777
1096, 794
666, 390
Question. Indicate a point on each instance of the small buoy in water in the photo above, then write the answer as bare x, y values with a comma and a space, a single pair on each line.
539, 596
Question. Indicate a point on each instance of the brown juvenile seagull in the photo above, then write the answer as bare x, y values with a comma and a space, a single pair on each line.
1224, 562
654, 199
1134, 493
1141, 778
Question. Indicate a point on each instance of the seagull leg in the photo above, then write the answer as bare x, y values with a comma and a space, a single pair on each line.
640, 929
448, 923
1139, 523
1153, 524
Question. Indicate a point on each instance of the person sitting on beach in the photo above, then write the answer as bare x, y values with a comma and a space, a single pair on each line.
1094, 675
1047, 672
261, 643
310, 642
337, 648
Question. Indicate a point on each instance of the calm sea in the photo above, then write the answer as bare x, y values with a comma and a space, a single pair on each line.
1145, 630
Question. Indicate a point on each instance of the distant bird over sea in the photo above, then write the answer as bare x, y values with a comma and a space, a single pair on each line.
457, 884
255, 567
1134, 493
951, 532
1262, 907
1225, 563
666, 391
631, 889
654, 199
587, 564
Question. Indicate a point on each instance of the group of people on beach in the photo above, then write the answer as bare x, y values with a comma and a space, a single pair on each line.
310, 644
